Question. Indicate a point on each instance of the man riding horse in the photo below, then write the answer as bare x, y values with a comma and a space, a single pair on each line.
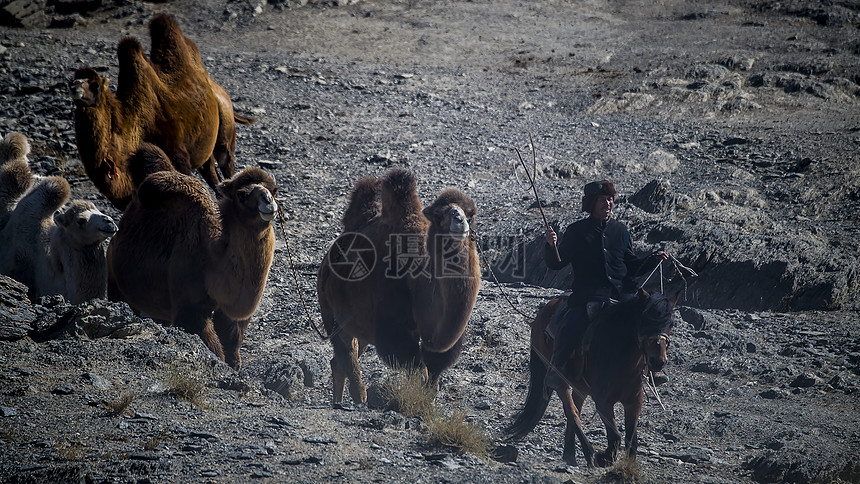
600, 251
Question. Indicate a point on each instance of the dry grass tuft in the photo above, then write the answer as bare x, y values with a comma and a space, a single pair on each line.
120, 405
155, 441
185, 386
624, 471
406, 392
453, 431
69, 450
9, 434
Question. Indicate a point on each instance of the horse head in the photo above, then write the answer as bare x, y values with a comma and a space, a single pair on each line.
655, 327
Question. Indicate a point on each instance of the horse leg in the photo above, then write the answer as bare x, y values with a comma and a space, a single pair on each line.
632, 411
578, 394
573, 429
613, 436
436, 363
231, 333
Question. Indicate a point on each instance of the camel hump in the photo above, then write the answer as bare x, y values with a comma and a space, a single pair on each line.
15, 179
363, 204
146, 160
399, 195
169, 49
14, 147
171, 190
128, 48
46, 197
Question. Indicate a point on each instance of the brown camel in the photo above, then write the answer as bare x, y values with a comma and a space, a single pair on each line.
57, 252
175, 105
15, 175
400, 277
183, 260
175, 56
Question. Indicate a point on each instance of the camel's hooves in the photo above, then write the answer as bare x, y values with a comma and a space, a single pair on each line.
505, 453
603, 459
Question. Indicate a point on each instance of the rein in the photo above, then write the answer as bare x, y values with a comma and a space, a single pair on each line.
296, 277
476, 239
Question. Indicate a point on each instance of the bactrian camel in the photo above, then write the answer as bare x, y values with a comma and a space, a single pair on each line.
170, 101
401, 277
184, 261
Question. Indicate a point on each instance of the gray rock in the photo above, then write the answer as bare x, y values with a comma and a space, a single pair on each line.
16, 313
655, 197
8, 412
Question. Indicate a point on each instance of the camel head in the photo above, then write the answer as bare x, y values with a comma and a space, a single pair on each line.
451, 214
88, 87
84, 224
251, 194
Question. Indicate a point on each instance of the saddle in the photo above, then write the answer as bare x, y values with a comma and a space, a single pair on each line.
592, 308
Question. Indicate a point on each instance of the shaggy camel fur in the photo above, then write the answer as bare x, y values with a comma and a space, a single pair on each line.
419, 287
57, 252
179, 258
171, 102
15, 175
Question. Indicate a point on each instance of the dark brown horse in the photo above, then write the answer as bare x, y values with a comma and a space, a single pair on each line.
622, 342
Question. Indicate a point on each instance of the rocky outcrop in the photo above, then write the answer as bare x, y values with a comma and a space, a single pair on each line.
739, 264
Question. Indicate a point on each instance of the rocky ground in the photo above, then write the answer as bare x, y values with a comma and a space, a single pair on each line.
731, 128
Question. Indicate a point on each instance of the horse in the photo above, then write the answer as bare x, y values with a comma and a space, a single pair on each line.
623, 340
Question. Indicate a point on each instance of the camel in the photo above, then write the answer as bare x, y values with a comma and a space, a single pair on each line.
171, 102
414, 299
55, 251
183, 260
15, 175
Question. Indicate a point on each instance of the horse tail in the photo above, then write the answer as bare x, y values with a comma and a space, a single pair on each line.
536, 402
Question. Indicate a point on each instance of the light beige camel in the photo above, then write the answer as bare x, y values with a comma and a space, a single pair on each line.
15, 175
56, 252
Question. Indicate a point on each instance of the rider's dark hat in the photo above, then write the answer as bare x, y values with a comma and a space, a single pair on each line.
593, 190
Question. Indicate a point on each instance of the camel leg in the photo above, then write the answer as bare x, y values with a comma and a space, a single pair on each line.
197, 321
231, 334
438, 362
208, 172
631, 423
345, 366
225, 156
113, 292
613, 436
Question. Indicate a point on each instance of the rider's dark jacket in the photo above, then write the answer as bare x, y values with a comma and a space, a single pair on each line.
601, 255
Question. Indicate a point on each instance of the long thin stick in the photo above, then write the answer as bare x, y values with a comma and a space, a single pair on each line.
534, 188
